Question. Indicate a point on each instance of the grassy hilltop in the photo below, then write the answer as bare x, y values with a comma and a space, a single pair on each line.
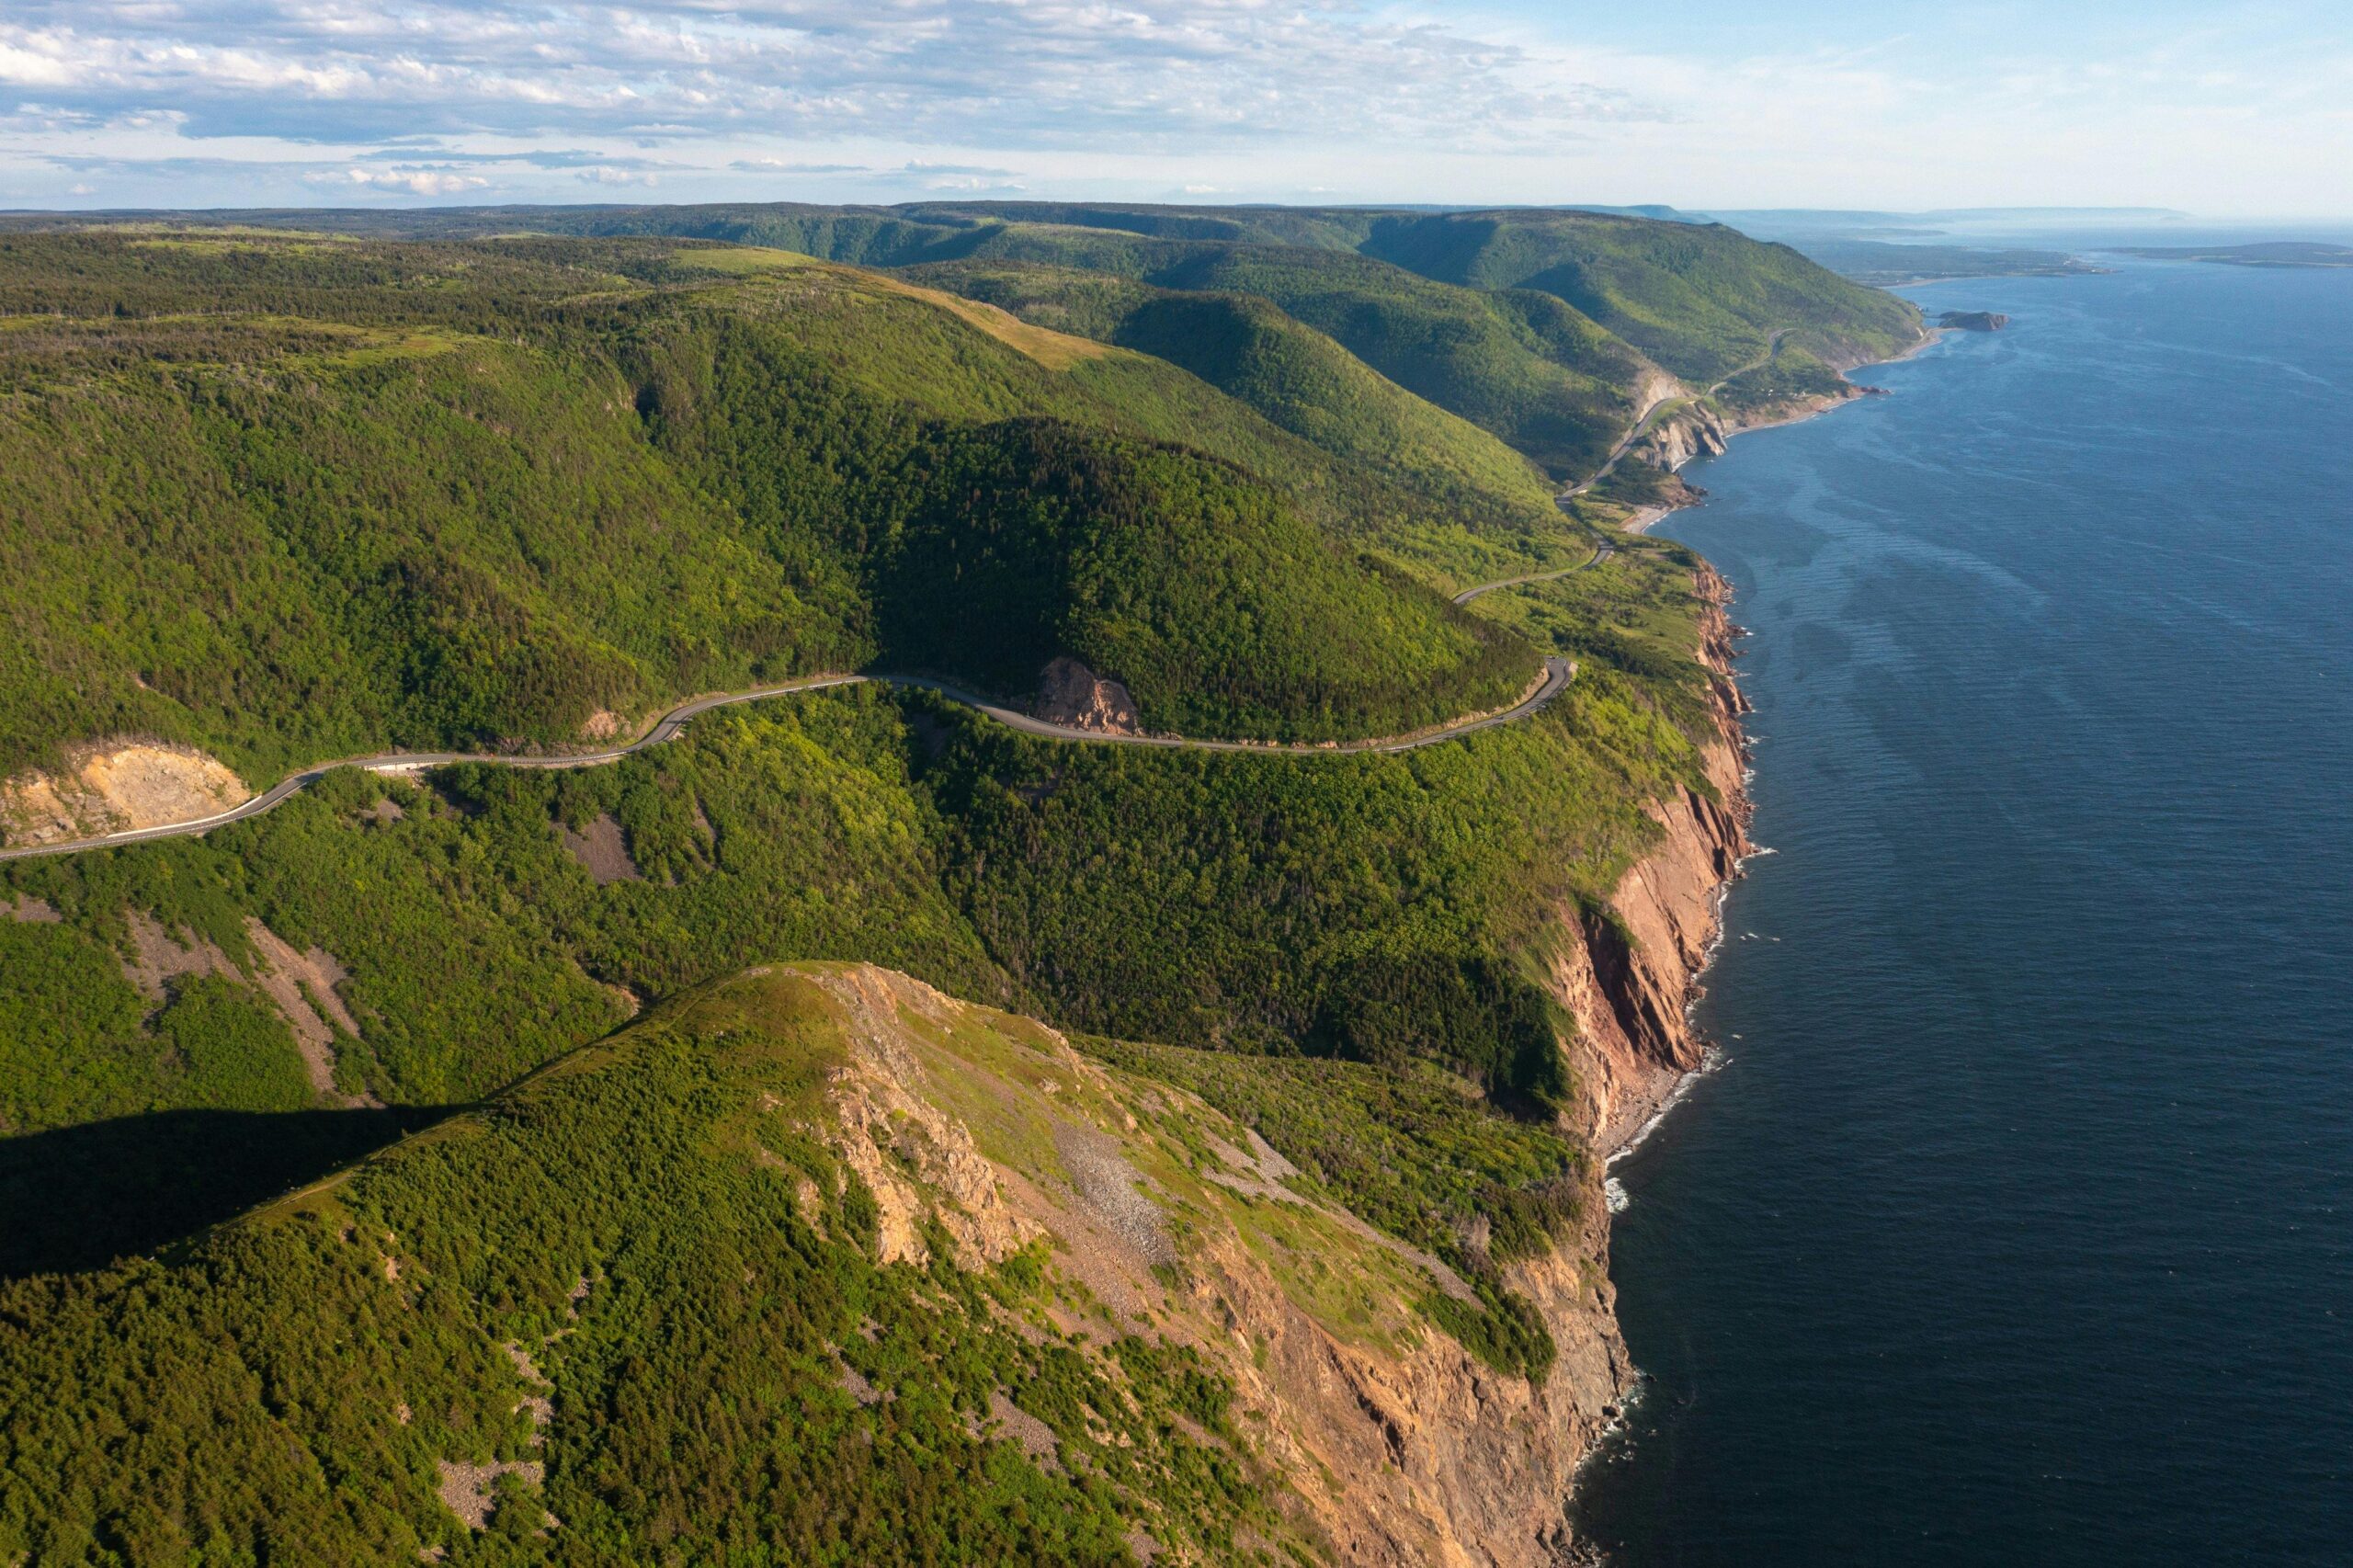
286, 487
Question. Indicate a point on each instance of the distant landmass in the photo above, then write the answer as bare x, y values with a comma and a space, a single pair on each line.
1888, 250
1779, 222
2268, 252
1892, 265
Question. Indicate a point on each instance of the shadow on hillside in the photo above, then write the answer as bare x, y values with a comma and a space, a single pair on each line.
81, 1197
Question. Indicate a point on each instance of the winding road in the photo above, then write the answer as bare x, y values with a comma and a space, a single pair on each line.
1558, 672
1602, 550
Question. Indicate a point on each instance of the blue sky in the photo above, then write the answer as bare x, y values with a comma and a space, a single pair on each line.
2223, 108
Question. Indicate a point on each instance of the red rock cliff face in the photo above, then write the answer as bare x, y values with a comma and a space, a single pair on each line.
1478, 1469
1627, 975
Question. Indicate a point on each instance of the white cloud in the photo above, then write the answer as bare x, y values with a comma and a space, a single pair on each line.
790, 166
1237, 99
415, 181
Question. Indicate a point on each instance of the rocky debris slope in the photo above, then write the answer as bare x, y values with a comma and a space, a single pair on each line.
1071, 694
114, 786
1691, 431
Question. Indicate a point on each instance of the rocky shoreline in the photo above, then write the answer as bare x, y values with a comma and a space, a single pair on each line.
1628, 971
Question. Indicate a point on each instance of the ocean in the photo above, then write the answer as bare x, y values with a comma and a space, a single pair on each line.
2017, 1226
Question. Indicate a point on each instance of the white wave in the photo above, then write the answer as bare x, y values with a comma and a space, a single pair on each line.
1613, 1193
1710, 1060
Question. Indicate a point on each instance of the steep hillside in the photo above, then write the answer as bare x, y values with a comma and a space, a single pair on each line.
1545, 326
1287, 1249
528, 494
1523, 365
815, 1264
1248, 347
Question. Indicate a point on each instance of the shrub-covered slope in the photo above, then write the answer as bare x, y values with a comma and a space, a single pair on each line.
814, 1265
628, 467
1543, 325
506, 1340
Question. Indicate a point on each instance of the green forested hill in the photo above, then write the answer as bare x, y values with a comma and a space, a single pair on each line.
510, 1341
286, 496
1246, 345
294, 499
1546, 326
1523, 365
724, 1285
1702, 300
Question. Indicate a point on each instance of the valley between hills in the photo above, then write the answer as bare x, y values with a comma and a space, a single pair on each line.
1097, 1044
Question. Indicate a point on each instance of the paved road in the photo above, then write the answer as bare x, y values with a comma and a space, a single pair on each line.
1558, 672
1601, 552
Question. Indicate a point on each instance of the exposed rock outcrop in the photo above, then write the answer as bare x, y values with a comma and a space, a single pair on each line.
304, 985
1069, 693
1691, 431
1399, 1445
108, 786
1628, 973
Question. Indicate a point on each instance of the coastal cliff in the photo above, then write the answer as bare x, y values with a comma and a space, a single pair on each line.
1444, 1460
1693, 431
1628, 975
1494, 1458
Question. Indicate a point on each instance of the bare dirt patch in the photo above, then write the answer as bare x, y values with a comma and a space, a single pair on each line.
303, 985
853, 1385
541, 1408
158, 956
1107, 1184
108, 788
30, 911
465, 1488
1036, 1438
603, 851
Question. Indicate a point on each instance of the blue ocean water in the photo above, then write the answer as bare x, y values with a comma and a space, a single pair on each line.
2019, 1227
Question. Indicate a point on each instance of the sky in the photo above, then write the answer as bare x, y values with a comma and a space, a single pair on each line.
2221, 109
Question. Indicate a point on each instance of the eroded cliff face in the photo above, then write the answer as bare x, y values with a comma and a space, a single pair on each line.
1069, 693
1692, 432
1440, 1460
109, 786
1468, 1467
1626, 971
1161, 1217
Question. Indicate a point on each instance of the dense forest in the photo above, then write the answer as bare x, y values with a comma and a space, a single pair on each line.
429, 514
